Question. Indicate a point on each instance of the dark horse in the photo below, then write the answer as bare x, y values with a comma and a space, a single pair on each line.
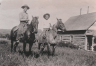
29, 35
50, 38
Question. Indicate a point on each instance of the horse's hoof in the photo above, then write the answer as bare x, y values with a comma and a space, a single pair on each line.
36, 55
48, 57
24, 52
14, 51
11, 51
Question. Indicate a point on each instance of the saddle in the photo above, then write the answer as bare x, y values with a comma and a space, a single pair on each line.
19, 31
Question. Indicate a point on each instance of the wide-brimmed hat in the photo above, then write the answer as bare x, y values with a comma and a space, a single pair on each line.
46, 14
25, 6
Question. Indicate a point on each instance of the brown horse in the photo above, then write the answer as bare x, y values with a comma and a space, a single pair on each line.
29, 35
49, 37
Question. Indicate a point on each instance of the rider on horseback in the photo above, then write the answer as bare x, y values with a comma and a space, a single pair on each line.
46, 23
21, 28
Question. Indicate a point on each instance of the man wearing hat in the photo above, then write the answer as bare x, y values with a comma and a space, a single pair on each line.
46, 21
23, 17
46, 24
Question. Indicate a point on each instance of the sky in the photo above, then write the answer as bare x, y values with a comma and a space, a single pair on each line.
63, 9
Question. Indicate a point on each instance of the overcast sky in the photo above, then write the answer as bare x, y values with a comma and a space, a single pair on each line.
64, 9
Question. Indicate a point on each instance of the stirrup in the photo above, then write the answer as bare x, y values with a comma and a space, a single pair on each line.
17, 41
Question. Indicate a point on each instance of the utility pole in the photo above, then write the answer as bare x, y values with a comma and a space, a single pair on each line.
80, 10
88, 10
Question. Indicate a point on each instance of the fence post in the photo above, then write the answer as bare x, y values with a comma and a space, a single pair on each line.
73, 39
70, 38
92, 43
61, 38
85, 42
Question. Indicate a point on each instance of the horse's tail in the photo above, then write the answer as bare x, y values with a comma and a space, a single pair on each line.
12, 33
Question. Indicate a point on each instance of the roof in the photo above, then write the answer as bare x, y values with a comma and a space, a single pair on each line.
93, 27
91, 32
80, 22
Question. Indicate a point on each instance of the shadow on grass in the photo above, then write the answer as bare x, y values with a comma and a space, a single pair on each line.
27, 54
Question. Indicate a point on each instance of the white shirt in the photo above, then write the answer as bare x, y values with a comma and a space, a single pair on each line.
23, 15
45, 23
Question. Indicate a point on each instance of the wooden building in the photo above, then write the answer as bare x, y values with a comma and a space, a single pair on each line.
80, 30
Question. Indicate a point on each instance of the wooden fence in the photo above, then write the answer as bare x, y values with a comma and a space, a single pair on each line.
79, 40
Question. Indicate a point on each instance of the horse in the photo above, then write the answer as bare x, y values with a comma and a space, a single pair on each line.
50, 38
28, 37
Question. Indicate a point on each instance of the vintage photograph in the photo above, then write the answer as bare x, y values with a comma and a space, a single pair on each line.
47, 33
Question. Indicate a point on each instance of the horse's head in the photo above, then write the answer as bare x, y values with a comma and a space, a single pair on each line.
51, 36
60, 25
35, 23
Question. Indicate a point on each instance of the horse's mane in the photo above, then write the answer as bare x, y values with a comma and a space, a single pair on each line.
53, 28
59, 22
56, 26
32, 24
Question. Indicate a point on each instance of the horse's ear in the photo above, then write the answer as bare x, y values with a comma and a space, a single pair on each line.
32, 16
57, 18
37, 17
60, 19
50, 24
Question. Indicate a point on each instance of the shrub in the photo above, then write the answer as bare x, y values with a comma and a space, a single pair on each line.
67, 44
3, 42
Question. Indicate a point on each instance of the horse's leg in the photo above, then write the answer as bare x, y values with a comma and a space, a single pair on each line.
42, 48
39, 44
24, 47
30, 46
16, 44
53, 50
11, 45
48, 50
12, 38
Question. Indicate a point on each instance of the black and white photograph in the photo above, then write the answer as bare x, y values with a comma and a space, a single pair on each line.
47, 33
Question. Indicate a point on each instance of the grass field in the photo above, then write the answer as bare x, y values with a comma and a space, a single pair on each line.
63, 57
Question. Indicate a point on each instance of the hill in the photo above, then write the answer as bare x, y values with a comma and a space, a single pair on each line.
5, 31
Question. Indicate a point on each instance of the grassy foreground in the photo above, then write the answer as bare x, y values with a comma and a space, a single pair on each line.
63, 57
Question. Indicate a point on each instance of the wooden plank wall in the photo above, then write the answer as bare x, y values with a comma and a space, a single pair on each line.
66, 38
79, 40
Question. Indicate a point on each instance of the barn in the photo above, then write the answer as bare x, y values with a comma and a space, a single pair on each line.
81, 31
